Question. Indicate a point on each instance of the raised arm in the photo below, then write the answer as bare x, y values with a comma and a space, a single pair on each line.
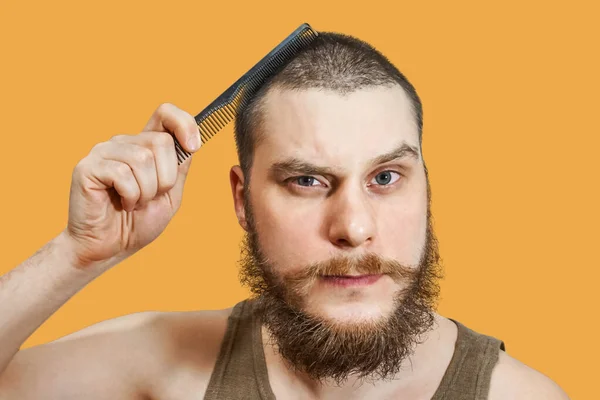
123, 195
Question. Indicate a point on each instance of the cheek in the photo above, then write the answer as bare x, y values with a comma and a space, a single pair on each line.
403, 236
288, 235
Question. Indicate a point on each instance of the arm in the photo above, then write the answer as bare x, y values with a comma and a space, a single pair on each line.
115, 359
32, 292
123, 195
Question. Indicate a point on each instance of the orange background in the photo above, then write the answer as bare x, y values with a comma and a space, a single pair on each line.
510, 92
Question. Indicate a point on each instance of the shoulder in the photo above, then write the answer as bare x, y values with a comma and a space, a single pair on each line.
173, 353
141, 355
163, 331
187, 345
511, 379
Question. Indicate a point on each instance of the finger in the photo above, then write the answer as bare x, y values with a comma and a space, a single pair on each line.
117, 175
141, 161
169, 118
161, 144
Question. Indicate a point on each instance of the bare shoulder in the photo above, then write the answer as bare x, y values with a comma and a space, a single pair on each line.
511, 379
188, 344
142, 355
176, 351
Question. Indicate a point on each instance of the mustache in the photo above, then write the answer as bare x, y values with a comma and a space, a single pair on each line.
366, 264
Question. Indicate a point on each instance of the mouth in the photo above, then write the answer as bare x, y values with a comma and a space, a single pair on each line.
350, 280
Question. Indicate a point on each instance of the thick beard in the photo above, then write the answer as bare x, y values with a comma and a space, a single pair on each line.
330, 352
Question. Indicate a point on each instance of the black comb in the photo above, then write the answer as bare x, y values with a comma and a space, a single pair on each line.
224, 109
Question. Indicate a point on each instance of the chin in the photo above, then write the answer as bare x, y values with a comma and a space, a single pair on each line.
349, 305
351, 311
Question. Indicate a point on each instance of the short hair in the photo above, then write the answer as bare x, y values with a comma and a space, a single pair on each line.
333, 61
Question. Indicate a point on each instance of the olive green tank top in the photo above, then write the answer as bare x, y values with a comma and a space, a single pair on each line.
240, 371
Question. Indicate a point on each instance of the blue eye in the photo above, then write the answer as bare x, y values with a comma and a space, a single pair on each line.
386, 177
305, 180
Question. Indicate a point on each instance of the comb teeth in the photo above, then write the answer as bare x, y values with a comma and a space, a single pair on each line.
224, 109
278, 60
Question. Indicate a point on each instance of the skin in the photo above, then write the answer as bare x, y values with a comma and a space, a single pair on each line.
154, 355
343, 210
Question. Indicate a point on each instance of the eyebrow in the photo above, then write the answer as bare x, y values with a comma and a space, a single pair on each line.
295, 166
403, 151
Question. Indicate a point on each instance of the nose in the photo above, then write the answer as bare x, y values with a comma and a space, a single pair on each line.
352, 219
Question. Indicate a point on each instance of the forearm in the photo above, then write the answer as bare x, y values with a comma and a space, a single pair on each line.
33, 291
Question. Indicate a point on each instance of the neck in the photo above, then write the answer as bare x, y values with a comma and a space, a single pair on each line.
420, 373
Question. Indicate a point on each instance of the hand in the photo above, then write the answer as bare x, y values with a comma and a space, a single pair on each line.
126, 190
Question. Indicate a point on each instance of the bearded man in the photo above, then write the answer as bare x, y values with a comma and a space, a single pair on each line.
340, 254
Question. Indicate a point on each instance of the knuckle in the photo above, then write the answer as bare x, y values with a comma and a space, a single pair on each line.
164, 109
166, 184
123, 170
117, 138
161, 140
143, 156
81, 168
98, 147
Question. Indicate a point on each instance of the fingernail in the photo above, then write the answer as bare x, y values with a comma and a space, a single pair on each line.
194, 142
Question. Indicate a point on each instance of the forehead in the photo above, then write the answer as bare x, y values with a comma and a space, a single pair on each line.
325, 126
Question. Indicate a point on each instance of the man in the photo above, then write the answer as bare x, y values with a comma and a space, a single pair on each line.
332, 191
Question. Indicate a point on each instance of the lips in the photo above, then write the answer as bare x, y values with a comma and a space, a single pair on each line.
350, 280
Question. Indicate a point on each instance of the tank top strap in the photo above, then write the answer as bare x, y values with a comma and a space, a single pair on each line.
470, 370
240, 371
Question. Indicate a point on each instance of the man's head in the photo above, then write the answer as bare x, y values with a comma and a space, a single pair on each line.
334, 196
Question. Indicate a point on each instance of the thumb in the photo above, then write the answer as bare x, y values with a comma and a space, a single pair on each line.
176, 192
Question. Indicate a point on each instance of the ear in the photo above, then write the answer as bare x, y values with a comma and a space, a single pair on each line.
236, 179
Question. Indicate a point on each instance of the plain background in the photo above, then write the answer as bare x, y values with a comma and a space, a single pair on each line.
510, 92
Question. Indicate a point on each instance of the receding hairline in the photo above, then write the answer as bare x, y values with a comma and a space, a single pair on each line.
336, 62
259, 109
